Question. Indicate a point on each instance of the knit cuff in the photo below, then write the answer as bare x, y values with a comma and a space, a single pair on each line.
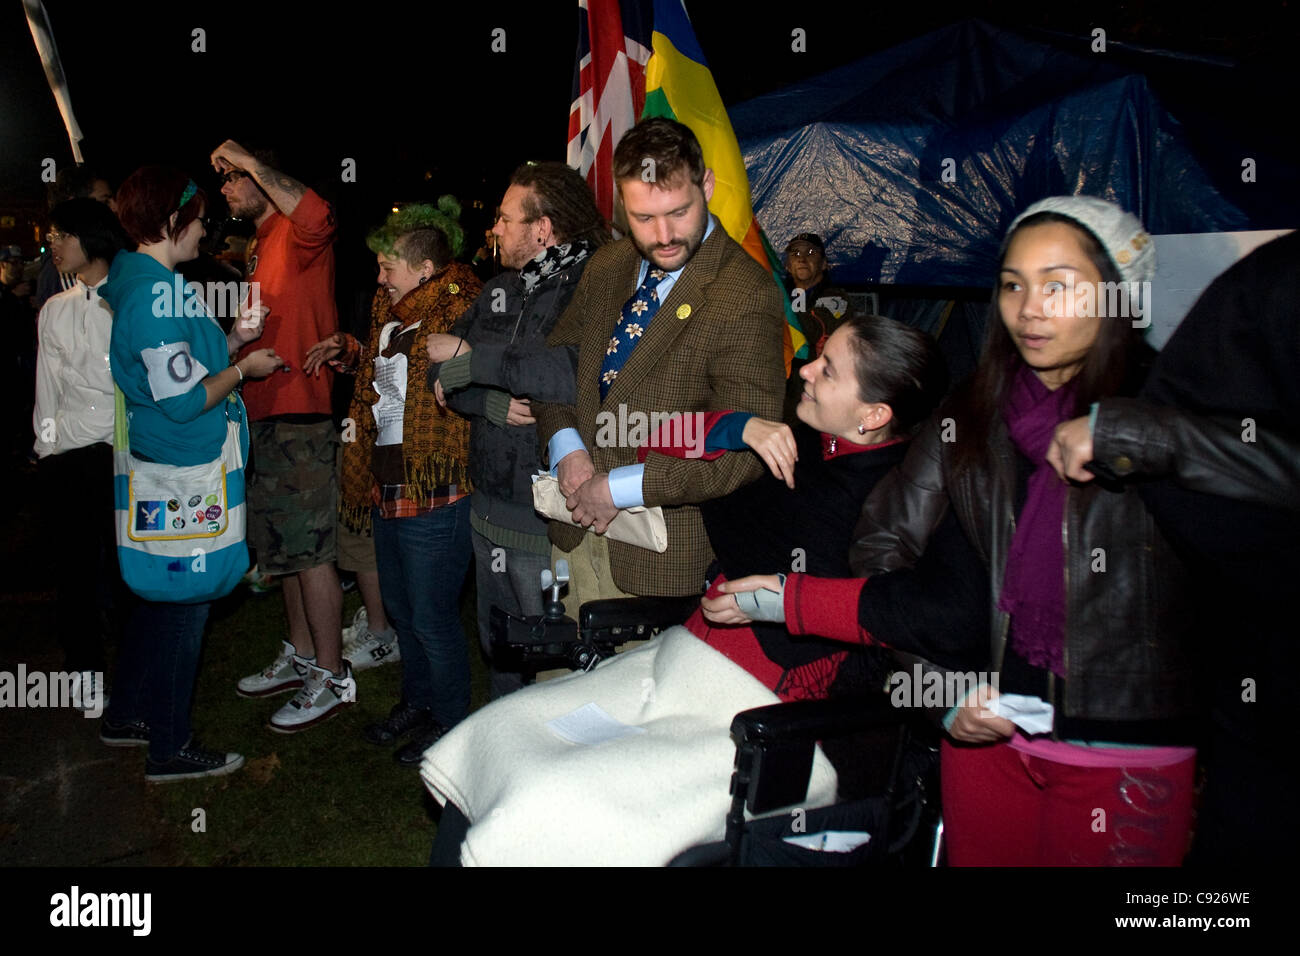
825, 607
496, 404
455, 373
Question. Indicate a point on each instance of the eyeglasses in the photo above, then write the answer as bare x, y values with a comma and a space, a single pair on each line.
232, 176
804, 253
54, 236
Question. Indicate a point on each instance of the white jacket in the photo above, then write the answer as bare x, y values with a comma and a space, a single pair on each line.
74, 384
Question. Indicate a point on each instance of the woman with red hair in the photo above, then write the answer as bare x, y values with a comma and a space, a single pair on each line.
171, 362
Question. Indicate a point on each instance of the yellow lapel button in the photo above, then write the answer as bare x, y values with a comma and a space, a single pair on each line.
453, 288
683, 311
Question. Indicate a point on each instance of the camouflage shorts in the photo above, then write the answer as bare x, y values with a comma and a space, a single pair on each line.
293, 494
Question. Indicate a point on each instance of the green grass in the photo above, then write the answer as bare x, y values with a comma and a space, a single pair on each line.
323, 797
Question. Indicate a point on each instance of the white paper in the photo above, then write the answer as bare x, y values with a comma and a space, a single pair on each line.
590, 724
1031, 714
831, 841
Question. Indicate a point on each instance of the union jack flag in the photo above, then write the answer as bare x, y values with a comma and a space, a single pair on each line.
608, 88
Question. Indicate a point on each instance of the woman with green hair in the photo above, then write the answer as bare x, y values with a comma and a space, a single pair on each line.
406, 472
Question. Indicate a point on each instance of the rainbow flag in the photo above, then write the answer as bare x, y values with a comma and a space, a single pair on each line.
618, 43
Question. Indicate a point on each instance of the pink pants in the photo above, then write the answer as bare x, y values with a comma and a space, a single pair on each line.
1002, 807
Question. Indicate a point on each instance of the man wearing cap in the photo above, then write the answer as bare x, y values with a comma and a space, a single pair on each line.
674, 318
293, 486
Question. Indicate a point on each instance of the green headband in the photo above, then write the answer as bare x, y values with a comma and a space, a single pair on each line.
188, 194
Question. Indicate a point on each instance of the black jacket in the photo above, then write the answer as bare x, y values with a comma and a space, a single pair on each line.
1128, 627
507, 331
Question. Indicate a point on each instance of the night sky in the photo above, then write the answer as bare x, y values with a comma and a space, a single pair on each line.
414, 93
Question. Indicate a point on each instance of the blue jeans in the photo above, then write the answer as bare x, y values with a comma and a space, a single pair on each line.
422, 565
156, 666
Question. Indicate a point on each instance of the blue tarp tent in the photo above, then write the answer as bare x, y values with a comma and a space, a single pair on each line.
912, 162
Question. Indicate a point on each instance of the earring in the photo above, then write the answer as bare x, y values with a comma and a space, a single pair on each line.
862, 429
423, 279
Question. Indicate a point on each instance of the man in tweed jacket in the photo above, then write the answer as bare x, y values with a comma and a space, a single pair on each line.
714, 343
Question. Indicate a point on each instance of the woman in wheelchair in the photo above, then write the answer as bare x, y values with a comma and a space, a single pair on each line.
875, 381
874, 384
1074, 750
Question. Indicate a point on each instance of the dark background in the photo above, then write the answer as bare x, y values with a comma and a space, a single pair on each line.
414, 93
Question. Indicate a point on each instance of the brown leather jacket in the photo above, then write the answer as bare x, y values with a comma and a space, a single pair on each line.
1128, 616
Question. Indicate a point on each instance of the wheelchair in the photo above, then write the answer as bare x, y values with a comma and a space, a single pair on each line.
896, 804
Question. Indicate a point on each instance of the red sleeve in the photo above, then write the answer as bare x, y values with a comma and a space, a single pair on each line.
313, 222
672, 438
825, 607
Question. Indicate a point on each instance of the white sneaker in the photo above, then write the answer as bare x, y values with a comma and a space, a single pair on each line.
358, 629
371, 652
88, 692
286, 672
321, 697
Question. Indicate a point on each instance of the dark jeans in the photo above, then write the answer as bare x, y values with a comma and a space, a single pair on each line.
156, 667
83, 476
422, 565
510, 580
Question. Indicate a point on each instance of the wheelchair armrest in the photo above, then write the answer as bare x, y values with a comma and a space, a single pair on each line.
774, 745
631, 618
813, 720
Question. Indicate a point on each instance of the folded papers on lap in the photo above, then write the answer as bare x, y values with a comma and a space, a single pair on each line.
635, 798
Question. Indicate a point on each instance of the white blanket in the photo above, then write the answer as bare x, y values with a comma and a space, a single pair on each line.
535, 799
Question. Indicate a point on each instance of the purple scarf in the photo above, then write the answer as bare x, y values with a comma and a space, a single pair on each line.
1033, 591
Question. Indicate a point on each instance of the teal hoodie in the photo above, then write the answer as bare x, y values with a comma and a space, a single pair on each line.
160, 331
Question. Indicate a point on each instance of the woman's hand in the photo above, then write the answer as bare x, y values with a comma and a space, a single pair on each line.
723, 608
975, 724
443, 346
260, 364
774, 443
326, 350
1071, 449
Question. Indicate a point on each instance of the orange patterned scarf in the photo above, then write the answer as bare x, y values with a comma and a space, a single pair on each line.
435, 441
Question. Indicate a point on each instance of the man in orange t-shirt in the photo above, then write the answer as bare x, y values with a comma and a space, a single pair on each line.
293, 486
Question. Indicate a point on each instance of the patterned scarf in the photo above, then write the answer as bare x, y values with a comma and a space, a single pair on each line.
553, 259
1033, 591
435, 441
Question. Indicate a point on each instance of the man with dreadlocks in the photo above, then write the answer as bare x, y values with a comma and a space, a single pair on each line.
496, 362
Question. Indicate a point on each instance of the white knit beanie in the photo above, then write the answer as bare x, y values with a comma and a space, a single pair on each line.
1120, 233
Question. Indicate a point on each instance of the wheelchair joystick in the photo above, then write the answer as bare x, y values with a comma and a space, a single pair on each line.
553, 583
